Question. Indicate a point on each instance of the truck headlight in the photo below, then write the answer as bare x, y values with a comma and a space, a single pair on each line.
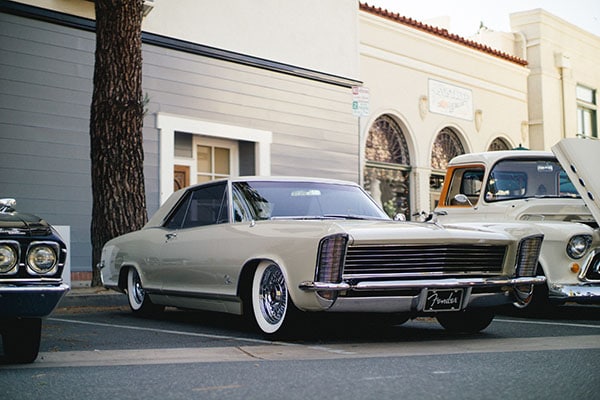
578, 245
42, 258
9, 257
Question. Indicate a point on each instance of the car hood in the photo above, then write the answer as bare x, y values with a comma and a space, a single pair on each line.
579, 159
415, 232
18, 224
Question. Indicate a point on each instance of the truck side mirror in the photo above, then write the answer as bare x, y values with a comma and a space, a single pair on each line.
463, 199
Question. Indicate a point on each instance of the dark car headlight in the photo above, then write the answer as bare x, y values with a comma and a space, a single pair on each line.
42, 258
9, 257
578, 246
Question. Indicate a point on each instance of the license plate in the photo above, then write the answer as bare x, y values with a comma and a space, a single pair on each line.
444, 300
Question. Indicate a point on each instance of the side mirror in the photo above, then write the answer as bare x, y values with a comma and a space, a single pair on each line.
463, 199
400, 217
7, 205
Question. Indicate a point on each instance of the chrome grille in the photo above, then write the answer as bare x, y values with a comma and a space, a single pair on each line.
398, 261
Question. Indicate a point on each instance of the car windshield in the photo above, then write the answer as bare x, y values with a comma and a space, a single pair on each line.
518, 179
307, 200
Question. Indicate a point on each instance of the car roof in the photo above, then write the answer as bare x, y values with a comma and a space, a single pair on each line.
491, 157
164, 209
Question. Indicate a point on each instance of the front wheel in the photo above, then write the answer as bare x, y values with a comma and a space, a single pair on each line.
467, 321
272, 307
21, 340
139, 302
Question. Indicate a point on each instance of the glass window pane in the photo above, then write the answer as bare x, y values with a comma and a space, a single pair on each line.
203, 178
221, 161
585, 94
204, 159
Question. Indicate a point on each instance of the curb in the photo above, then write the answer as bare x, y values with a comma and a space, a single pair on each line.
93, 297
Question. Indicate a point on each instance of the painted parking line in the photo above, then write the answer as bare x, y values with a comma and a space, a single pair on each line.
167, 331
518, 321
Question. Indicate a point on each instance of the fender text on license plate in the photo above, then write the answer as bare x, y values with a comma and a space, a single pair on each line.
444, 300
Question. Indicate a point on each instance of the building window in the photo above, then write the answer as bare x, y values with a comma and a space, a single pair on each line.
205, 158
586, 112
499, 144
447, 145
387, 166
224, 150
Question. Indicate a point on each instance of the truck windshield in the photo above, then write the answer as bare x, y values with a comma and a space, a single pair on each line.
517, 179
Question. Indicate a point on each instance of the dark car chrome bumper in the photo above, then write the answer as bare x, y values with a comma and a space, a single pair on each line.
30, 300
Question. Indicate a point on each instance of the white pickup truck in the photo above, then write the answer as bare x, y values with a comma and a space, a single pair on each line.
557, 191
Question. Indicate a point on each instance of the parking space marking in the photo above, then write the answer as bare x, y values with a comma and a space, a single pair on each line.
168, 331
516, 321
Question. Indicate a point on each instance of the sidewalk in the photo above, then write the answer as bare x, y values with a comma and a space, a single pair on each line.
86, 296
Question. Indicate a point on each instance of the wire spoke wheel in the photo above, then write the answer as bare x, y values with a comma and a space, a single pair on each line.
139, 302
270, 298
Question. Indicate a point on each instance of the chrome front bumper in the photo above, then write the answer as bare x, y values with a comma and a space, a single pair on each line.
422, 284
575, 293
512, 290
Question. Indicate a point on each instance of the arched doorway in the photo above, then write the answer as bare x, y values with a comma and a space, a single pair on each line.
447, 145
499, 144
387, 166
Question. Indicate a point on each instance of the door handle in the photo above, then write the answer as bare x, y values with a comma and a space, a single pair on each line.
170, 236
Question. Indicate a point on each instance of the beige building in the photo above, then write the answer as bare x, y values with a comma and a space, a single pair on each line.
564, 77
433, 95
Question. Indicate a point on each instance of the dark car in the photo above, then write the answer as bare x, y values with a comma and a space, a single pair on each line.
32, 258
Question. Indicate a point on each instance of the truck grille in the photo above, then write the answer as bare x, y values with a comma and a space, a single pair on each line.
406, 261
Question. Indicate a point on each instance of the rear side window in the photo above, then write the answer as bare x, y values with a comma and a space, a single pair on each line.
206, 205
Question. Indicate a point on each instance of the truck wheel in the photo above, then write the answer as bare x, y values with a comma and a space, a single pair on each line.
21, 340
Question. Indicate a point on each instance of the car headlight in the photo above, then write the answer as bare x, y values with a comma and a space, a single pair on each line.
578, 246
42, 258
330, 261
9, 257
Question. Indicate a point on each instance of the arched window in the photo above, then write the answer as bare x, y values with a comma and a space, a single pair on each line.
387, 167
447, 145
499, 144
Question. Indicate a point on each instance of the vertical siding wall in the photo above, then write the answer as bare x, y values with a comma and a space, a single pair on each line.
45, 92
314, 132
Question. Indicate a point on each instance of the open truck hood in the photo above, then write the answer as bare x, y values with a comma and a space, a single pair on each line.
580, 158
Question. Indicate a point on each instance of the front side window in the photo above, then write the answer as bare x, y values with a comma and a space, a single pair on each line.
467, 181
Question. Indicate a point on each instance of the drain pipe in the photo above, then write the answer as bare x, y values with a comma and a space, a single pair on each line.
563, 63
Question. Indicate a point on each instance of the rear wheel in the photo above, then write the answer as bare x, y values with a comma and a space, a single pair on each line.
467, 321
21, 340
272, 307
139, 302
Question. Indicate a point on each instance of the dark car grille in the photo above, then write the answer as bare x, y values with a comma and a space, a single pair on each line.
406, 261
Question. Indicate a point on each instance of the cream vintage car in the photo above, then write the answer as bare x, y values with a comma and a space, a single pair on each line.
557, 193
271, 247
